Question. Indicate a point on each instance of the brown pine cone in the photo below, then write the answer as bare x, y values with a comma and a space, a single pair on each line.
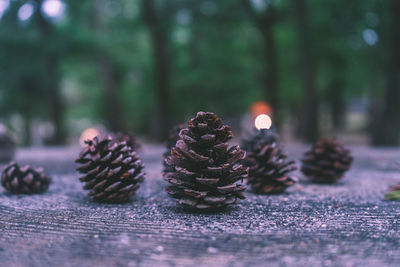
113, 171
326, 162
206, 172
173, 137
269, 170
24, 180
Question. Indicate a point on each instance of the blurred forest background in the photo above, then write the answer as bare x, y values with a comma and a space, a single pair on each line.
324, 67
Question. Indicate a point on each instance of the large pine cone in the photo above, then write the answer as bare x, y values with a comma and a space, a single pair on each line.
24, 180
326, 162
206, 172
269, 169
173, 137
113, 170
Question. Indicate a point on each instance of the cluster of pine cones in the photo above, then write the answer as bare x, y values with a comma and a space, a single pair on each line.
203, 171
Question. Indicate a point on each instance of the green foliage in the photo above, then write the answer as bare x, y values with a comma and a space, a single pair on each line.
216, 57
395, 195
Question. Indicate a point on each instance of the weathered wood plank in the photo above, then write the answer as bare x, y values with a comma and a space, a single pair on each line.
344, 225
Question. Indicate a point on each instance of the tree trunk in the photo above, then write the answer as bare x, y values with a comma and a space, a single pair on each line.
387, 132
111, 75
309, 122
271, 78
27, 137
337, 104
162, 61
52, 82
265, 22
111, 80
57, 107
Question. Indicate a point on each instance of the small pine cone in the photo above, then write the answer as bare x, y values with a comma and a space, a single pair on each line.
326, 162
25, 179
206, 172
129, 138
269, 170
173, 137
113, 171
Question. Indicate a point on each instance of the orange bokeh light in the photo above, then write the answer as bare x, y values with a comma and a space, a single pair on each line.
260, 107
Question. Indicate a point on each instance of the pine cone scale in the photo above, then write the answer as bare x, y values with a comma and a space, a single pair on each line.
207, 181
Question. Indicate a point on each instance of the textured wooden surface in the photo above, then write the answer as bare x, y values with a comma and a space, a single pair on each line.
348, 224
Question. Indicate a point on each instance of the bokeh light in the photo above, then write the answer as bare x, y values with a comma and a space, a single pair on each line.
260, 107
263, 121
370, 37
88, 134
53, 8
4, 4
25, 11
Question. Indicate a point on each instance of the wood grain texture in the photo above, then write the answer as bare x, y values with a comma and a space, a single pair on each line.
348, 224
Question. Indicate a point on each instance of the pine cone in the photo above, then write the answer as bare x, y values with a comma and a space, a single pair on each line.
326, 162
24, 180
129, 138
173, 137
206, 172
268, 173
113, 171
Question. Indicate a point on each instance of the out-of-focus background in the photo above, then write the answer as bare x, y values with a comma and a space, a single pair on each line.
319, 68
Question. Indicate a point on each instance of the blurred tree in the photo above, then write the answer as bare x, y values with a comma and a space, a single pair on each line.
34, 48
51, 57
123, 63
386, 130
22, 73
309, 123
158, 19
216, 60
110, 70
332, 30
265, 21
336, 90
